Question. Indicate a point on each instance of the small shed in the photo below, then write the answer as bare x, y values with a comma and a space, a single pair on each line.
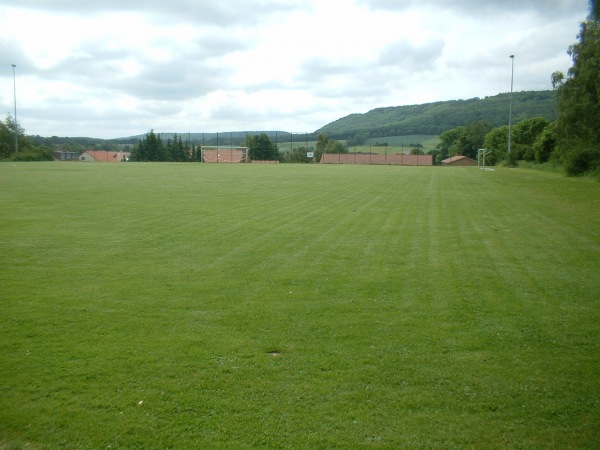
459, 160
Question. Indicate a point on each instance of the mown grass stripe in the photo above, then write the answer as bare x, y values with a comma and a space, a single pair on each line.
408, 307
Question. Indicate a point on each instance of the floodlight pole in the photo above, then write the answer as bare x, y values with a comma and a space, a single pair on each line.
512, 72
14, 66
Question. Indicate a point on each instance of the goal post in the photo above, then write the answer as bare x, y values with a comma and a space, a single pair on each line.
481, 154
224, 154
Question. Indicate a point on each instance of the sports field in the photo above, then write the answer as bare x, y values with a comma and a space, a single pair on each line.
297, 306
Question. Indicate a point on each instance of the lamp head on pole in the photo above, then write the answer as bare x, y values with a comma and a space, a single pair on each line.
512, 56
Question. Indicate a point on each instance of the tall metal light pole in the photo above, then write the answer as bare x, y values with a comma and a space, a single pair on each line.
512, 72
16, 123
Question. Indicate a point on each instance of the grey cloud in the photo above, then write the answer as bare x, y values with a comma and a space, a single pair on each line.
186, 74
548, 8
74, 111
11, 52
410, 56
363, 79
356, 82
315, 70
223, 12
229, 114
167, 82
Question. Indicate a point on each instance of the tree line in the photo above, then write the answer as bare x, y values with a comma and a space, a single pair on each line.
152, 147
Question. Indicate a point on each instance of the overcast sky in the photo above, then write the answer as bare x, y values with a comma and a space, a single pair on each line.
116, 68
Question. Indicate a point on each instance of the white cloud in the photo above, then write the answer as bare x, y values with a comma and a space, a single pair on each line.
122, 67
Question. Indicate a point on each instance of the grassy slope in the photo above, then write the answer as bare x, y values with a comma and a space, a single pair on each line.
397, 144
437, 117
407, 307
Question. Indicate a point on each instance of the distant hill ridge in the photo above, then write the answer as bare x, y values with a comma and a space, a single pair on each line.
424, 119
435, 118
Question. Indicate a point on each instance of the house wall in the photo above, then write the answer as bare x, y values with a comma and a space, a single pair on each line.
85, 156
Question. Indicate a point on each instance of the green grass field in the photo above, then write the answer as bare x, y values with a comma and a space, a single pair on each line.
297, 306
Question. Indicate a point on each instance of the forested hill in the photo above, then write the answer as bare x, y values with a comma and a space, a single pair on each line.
435, 118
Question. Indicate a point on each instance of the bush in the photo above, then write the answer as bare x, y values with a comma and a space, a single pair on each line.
512, 159
36, 154
581, 160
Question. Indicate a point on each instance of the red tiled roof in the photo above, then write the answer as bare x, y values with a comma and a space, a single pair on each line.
103, 155
455, 158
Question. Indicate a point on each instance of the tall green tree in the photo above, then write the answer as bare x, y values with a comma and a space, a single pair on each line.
150, 148
464, 140
7, 140
326, 145
7, 137
298, 155
322, 141
29, 150
450, 142
475, 137
497, 141
176, 150
261, 148
545, 144
578, 96
525, 135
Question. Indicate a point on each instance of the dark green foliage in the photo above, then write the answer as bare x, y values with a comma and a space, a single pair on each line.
525, 134
435, 118
545, 143
447, 140
195, 153
7, 139
579, 101
322, 142
28, 150
153, 148
177, 151
532, 140
581, 159
497, 141
150, 148
336, 147
437, 160
261, 148
326, 145
34, 154
297, 155
358, 139
476, 132
464, 140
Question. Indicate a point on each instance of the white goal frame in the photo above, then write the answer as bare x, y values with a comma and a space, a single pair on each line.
224, 154
481, 154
